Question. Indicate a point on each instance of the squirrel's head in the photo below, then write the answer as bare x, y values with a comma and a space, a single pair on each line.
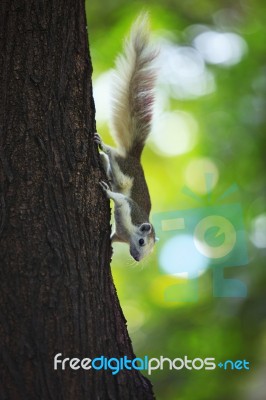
142, 242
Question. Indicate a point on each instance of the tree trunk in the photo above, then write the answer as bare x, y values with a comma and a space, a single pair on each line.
56, 289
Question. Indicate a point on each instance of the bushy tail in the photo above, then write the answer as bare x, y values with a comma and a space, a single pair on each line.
133, 90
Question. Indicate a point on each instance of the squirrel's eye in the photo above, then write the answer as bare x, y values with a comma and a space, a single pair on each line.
141, 242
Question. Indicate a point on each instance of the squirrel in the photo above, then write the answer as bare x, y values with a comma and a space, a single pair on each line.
134, 80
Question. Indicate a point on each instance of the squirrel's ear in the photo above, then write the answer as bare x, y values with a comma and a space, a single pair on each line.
157, 239
145, 227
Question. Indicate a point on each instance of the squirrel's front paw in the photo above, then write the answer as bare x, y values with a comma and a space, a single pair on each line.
105, 187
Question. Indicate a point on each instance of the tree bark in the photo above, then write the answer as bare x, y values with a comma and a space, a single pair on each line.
56, 289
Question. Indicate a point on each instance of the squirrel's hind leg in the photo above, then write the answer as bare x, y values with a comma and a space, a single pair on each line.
106, 165
106, 156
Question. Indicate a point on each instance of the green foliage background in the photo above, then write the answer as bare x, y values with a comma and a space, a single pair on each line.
231, 124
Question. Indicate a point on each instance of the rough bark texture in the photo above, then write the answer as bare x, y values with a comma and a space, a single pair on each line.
56, 290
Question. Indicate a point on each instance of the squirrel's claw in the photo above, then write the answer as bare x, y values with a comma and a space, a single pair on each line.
97, 139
